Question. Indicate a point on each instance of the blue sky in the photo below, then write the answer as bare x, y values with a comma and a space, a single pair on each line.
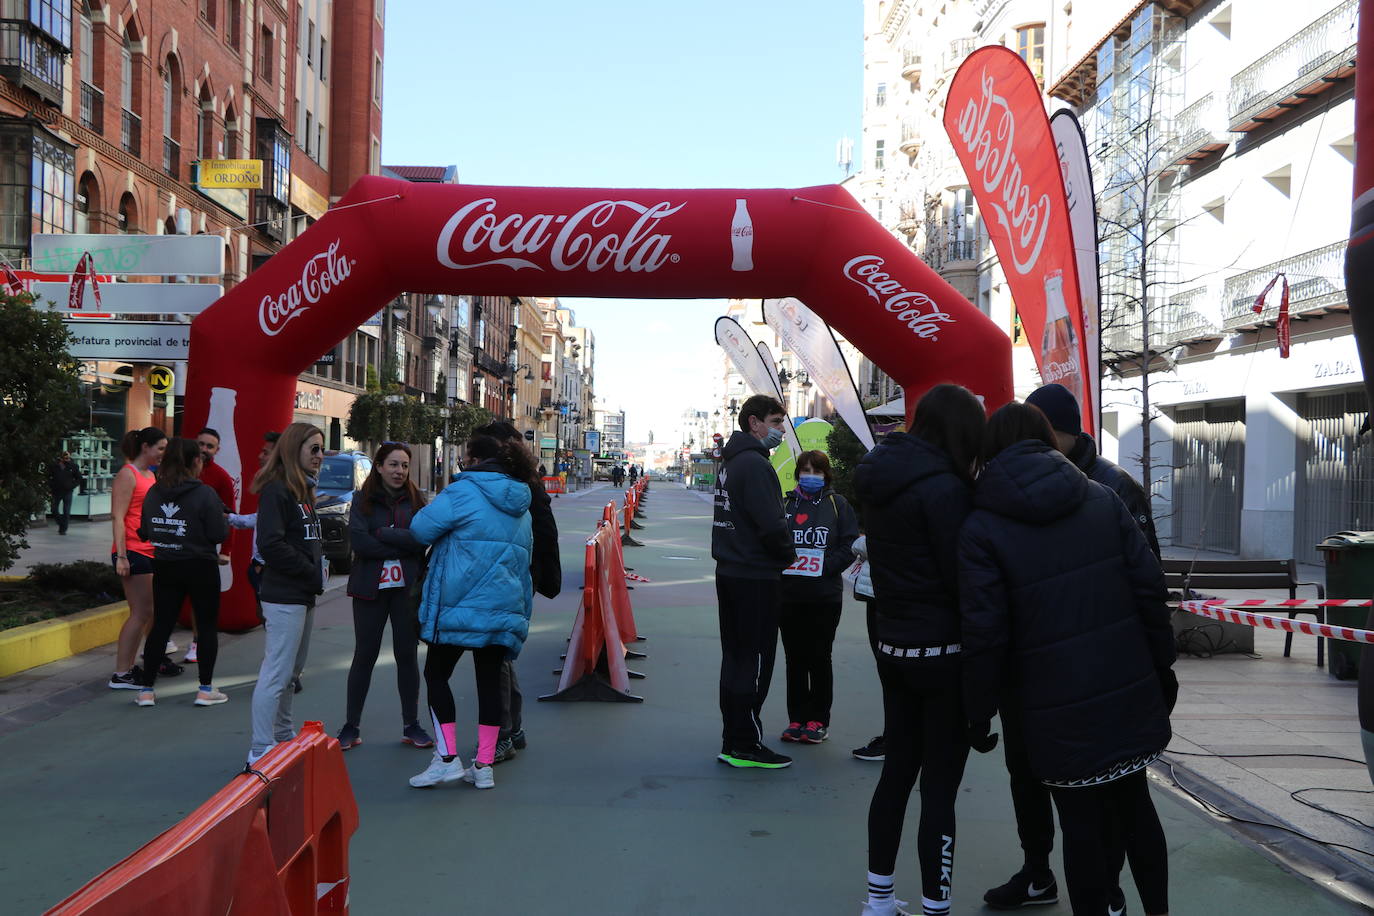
608, 93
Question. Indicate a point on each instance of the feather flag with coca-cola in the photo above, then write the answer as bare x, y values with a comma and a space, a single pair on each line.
13, 285
85, 270
996, 120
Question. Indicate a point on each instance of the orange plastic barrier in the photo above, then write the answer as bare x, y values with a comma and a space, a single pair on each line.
268, 845
594, 668
553, 485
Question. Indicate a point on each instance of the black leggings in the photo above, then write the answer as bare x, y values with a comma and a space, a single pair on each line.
808, 633
1096, 819
924, 725
369, 621
439, 664
173, 582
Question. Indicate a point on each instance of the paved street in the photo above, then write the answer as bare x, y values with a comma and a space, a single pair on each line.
614, 808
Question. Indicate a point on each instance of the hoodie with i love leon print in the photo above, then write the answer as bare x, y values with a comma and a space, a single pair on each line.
183, 522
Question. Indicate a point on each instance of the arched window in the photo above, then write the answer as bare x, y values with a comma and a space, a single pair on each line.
128, 214
171, 118
231, 133
169, 226
88, 205
131, 125
205, 125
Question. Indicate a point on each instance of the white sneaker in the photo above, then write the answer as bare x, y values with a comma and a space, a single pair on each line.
190, 655
254, 758
898, 909
171, 647
210, 697
145, 698
479, 776
438, 772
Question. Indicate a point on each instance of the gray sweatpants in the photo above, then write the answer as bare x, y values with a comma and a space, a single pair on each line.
283, 658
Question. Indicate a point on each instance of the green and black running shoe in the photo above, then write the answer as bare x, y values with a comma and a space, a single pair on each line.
756, 756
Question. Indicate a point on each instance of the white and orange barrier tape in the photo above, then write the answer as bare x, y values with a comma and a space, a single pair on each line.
1286, 602
1215, 610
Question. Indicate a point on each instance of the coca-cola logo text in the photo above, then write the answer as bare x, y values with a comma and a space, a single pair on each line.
320, 274
920, 312
1060, 371
990, 145
572, 242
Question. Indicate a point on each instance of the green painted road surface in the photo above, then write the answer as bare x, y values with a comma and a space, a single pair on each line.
613, 809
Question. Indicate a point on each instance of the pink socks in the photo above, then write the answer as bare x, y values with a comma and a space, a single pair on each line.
486, 744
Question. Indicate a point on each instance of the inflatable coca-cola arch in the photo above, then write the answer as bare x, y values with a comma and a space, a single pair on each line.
390, 236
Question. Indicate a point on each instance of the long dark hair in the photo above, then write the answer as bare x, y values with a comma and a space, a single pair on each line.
131, 446
178, 462
374, 487
1015, 422
950, 418
515, 460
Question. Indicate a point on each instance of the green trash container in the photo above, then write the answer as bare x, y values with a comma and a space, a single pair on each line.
1349, 559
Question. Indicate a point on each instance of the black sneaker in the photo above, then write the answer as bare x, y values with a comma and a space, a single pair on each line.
128, 681
1026, 888
169, 668
505, 750
1116, 903
296, 685
517, 740
873, 750
756, 756
349, 737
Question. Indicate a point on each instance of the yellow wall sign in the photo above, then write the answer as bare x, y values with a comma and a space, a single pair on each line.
307, 199
230, 173
161, 379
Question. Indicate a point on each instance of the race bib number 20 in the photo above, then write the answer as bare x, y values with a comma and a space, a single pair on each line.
393, 576
810, 561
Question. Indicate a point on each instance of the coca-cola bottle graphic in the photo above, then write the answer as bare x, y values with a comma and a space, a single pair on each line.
742, 237
222, 404
1059, 356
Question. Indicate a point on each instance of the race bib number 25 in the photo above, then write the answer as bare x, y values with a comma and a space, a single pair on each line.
810, 561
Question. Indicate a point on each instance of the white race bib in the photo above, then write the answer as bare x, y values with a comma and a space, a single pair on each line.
393, 576
810, 562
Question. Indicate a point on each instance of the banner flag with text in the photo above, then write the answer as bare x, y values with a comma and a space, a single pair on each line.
789, 431
1072, 147
810, 338
996, 120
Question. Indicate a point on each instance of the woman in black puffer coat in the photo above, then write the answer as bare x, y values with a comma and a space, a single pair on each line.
916, 490
1065, 625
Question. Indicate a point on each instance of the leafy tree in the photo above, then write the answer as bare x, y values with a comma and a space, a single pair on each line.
846, 451
373, 383
40, 402
376, 417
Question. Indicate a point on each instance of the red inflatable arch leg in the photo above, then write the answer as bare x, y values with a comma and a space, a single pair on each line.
390, 236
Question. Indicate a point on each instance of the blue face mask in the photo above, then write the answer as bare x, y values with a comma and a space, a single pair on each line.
773, 439
811, 483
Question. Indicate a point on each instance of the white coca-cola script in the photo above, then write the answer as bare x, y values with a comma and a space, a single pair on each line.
580, 240
919, 312
320, 274
1061, 370
1025, 221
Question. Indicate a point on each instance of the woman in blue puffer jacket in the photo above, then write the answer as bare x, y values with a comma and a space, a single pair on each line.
477, 595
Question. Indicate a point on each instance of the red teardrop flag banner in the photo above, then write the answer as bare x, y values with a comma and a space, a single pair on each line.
996, 119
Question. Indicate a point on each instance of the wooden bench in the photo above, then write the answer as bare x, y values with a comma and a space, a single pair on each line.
1200, 575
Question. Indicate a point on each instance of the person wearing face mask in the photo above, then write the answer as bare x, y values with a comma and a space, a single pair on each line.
387, 564
823, 531
751, 542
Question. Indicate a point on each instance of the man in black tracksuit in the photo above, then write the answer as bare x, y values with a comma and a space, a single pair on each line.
1030, 797
751, 542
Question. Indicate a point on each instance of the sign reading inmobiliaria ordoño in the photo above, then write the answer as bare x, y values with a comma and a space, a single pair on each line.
996, 120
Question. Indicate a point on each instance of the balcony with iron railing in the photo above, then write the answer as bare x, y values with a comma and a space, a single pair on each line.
1316, 285
961, 250
171, 157
1198, 131
911, 65
911, 138
131, 132
92, 108
1182, 321
959, 49
1121, 337
1298, 70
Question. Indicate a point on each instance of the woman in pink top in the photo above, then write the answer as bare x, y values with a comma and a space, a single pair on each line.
131, 555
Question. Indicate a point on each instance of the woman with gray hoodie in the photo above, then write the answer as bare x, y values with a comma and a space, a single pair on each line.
184, 521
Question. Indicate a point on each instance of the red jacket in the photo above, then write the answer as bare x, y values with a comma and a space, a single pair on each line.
218, 479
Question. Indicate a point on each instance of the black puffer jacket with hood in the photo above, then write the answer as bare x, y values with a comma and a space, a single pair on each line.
914, 502
1064, 616
750, 536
